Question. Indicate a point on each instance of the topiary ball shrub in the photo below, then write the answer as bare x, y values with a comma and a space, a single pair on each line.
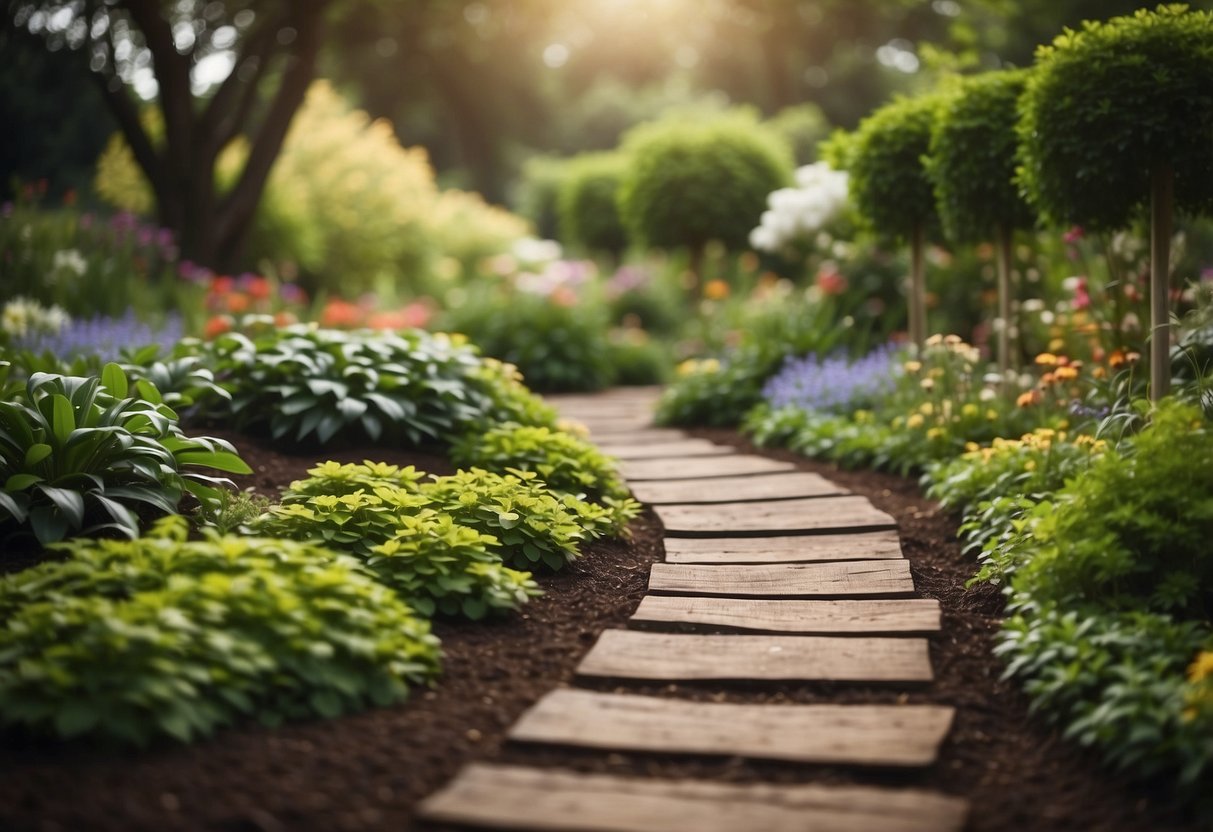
889, 182
160, 637
972, 158
1108, 104
588, 203
689, 183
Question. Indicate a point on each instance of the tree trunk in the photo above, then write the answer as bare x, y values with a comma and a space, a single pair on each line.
1162, 187
918, 290
1005, 240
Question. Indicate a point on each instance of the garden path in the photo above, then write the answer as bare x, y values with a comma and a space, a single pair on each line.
770, 576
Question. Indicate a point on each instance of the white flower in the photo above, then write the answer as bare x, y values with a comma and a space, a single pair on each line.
800, 213
69, 261
532, 251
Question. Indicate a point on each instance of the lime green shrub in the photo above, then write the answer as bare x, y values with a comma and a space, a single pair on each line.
890, 185
1116, 118
79, 456
587, 202
693, 181
160, 637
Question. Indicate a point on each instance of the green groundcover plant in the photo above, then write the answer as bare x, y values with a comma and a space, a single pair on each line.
84, 455
304, 383
163, 637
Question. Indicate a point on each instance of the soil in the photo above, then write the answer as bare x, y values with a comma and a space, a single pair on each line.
367, 771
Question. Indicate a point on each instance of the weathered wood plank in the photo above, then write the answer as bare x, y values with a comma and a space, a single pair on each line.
631, 654
615, 424
790, 549
760, 487
909, 615
878, 735
786, 580
514, 797
807, 515
677, 468
638, 436
649, 450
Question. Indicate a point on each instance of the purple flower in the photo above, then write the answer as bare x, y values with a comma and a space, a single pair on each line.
833, 384
104, 337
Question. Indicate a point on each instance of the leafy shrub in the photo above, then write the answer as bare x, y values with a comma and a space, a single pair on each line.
690, 182
303, 383
80, 456
1115, 682
1037, 463
1133, 531
636, 358
588, 204
565, 464
538, 193
889, 183
557, 341
1094, 122
803, 127
534, 524
432, 561
162, 637
972, 158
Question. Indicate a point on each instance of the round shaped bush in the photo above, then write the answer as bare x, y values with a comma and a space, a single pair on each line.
692, 182
588, 202
1108, 105
889, 181
164, 637
972, 158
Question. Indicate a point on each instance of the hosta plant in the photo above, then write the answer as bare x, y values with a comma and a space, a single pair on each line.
160, 637
78, 455
308, 384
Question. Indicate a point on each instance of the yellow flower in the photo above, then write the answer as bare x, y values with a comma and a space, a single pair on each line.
912, 366
935, 433
1046, 359
914, 421
926, 409
1030, 465
970, 410
1065, 374
927, 384
1202, 667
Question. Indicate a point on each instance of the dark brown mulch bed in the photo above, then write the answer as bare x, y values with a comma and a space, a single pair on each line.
367, 771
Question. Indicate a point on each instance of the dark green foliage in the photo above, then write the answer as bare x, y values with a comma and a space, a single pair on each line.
587, 202
78, 455
556, 346
972, 158
690, 182
803, 127
537, 193
161, 637
307, 384
1110, 103
889, 182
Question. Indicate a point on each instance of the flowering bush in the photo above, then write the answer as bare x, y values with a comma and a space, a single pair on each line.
795, 215
100, 339
832, 384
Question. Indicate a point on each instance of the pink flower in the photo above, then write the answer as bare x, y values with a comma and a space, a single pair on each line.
1073, 235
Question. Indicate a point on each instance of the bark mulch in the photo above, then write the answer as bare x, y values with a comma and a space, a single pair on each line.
367, 771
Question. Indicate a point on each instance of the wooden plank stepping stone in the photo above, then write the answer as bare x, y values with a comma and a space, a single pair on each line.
876, 735
807, 515
786, 580
640, 436
790, 549
516, 797
631, 654
677, 468
910, 615
736, 489
684, 448
615, 424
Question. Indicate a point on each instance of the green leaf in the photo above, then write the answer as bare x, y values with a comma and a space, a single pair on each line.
63, 418
20, 482
37, 453
219, 460
114, 380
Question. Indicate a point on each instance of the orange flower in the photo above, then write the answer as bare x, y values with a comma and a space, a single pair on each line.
218, 325
716, 290
1028, 399
1046, 359
285, 319
238, 302
339, 313
1065, 373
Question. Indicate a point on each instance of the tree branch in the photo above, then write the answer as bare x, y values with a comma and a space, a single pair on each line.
227, 103
172, 74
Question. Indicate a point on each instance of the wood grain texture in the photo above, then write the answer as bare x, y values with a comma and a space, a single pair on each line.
784, 549
514, 797
613, 424
877, 735
675, 468
638, 436
631, 654
786, 580
807, 515
683, 448
760, 487
909, 615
